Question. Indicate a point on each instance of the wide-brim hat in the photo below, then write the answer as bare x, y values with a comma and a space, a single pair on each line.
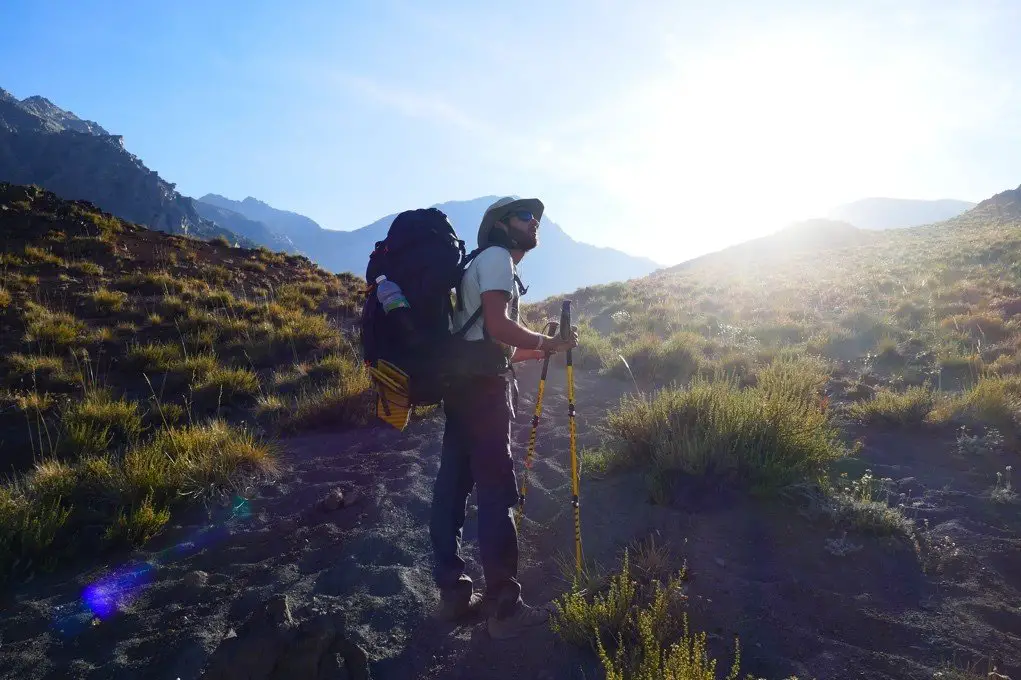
501, 208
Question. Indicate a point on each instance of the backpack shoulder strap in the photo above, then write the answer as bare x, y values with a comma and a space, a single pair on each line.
460, 277
522, 288
460, 333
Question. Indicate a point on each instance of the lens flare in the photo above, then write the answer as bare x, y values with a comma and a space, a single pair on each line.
112, 593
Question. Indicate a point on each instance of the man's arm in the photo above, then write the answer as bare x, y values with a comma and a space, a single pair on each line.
504, 329
501, 327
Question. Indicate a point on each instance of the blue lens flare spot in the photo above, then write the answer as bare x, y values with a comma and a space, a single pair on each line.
110, 594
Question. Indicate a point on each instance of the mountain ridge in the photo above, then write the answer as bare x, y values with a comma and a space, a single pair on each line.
881, 212
561, 262
44, 145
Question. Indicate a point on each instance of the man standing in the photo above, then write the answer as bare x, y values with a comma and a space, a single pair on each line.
476, 438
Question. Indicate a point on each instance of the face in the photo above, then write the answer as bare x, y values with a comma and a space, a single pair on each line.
524, 227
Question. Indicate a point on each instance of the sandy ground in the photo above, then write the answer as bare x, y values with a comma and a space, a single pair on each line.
758, 569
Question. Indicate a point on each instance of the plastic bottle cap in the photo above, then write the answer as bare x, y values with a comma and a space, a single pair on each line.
381, 278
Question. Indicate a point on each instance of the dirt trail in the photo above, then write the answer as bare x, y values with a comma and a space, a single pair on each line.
758, 569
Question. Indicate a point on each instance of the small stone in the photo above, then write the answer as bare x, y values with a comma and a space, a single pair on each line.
720, 562
195, 579
333, 501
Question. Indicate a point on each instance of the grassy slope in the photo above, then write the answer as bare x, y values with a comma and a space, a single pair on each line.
760, 364
140, 369
931, 306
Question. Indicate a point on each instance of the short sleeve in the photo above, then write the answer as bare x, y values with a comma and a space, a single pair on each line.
495, 270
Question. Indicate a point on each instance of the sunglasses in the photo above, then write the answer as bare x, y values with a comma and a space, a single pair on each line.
522, 215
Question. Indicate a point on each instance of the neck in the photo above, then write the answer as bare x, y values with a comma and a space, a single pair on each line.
516, 255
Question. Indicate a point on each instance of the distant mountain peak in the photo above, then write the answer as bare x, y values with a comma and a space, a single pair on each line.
43, 115
560, 265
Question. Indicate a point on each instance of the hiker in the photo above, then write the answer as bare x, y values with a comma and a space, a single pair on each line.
479, 407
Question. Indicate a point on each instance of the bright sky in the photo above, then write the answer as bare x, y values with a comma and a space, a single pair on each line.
664, 128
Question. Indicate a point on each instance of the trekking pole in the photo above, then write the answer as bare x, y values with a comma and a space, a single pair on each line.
551, 329
565, 333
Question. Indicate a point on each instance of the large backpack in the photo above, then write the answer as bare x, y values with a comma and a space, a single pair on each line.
424, 256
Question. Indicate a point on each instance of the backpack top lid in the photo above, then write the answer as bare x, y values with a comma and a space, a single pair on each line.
414, 238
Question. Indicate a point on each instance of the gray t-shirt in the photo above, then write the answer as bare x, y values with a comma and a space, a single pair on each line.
492, 269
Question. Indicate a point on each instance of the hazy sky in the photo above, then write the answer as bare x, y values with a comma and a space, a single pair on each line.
660, 128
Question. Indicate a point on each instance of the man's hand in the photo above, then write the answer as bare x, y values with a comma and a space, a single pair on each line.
555, 344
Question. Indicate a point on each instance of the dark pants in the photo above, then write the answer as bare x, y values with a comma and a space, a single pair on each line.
477, 452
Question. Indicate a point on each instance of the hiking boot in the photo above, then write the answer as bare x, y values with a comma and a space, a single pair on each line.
523, 619
457, 605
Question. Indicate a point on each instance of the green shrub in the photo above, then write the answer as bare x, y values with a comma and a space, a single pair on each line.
887, 407
765, 436
154, 356
226, 385
108, 301
594, 351
136, 525
344, 403
37, 368
37, 255
638, 630
85, 267
28, 531
994, 400
54, 330
97, 423
659, 363
151, 283
194, 460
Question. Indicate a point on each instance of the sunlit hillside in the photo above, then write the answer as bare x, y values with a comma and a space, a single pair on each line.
119, 343
867, 382
937, 305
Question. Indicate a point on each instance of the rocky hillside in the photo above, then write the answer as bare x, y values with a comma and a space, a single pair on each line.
44, 145
559, 265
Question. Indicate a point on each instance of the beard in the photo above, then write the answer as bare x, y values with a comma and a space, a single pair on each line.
525, 240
